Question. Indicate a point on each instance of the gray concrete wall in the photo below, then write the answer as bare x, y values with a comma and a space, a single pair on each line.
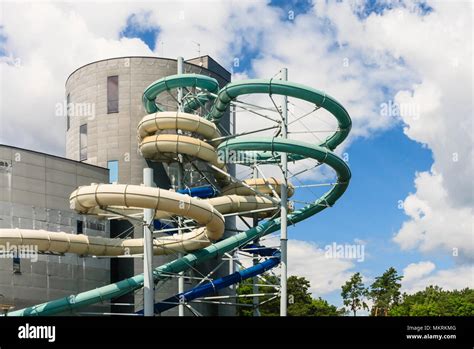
34, 194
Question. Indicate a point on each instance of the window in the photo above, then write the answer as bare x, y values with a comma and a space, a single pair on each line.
68, 117
112, 94
83, 142
79, 227
16, 264
112, 165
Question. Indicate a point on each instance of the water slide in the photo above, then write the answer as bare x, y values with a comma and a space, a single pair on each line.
162, 136
212, 286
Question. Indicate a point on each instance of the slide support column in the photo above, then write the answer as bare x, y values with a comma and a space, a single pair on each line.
180, 63
148, 284
284, 206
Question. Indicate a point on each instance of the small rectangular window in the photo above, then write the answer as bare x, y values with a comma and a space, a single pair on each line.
80, 225
68, 116
112, 94
112, 165
83, 142
16, 264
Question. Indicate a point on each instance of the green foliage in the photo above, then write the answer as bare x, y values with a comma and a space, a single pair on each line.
321, 307
353, 293
434, 301
270, 308
385, 292
300, 302
298, 290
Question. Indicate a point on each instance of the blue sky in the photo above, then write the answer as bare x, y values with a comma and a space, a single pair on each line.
133, 29
387, 65
383, 167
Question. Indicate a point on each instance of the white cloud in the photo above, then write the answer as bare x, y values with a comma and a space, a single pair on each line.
440, 211
306, 259
435, 225
415, 271
314, 58
417, 276
432, 52
232, 31
40, 59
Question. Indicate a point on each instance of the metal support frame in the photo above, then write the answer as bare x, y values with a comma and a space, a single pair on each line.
222, 303
282, 200
243, 133
255, 300
284, 205
231, 268
148, 284
249, 212
192, 310
180, 66
240, 296
233, 179
269, 186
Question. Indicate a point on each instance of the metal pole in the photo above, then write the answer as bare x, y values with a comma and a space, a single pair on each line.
255, 300
284, 206
180, 64
232, 220
148, 285
234, 118
231, 269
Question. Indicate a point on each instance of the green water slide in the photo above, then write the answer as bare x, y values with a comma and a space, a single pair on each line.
264, 147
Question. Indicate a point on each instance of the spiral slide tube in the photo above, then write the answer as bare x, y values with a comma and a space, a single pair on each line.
198, 143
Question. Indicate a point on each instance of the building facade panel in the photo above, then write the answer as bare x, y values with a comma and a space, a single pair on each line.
35, 189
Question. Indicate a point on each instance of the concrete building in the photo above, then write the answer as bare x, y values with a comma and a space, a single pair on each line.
34, 194
106, 100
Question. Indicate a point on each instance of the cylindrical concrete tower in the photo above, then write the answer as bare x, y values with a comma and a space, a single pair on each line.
105, 99
104, 107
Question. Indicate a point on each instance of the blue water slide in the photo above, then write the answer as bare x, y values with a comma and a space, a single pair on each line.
204, 192
226, 281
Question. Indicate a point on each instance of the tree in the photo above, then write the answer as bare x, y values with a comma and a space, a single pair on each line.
385, 292
434, 301
270, 308
298, 291
321, 307
300, 301
353, 293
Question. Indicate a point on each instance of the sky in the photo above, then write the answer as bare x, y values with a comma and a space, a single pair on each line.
402, 69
